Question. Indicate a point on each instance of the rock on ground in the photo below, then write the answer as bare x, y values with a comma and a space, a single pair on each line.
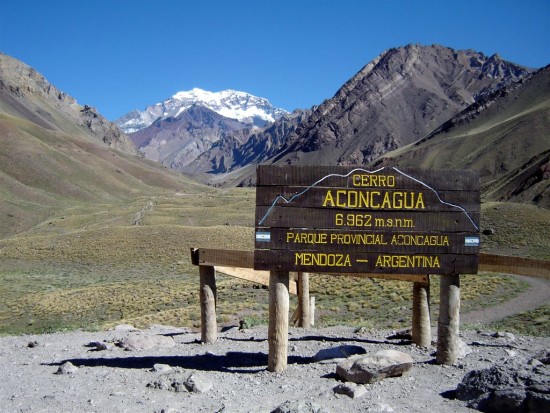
374, 367
512, 387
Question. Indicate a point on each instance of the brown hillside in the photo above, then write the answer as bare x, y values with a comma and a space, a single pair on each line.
43, 170
505, 137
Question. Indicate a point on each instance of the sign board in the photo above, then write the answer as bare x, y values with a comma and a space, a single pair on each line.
354, 220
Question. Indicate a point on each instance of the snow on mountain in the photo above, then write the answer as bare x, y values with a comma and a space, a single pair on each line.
242, 106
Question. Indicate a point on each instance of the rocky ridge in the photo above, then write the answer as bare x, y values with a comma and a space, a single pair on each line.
396, 99
399, 97
503, 135
25, 93
177, 141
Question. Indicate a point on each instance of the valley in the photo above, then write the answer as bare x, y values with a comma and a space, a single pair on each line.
94, 234
167, 168
90, 267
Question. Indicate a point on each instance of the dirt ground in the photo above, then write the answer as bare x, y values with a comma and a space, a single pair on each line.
116, 380
232, 373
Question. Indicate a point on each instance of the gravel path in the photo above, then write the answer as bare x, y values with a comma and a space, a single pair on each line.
538, 294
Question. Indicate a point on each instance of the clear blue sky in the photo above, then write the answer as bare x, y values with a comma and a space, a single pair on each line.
119, 55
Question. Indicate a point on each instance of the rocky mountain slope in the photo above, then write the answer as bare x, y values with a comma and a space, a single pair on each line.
504, 135
398, 98
237, 151
26, 94
57, 154
175, 132
177, 141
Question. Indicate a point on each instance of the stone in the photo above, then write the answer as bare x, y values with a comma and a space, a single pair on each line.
535, 363
379, 408
197, 383
395, 355
509, 388
339, 352
99, 345
145, 342
300, 406
182, 382
543, 357
506, 335
173, 381
478, 382
162, 368
376, 367
463, 349
350, 389
401, 335
538, 401
505, 400
67, 368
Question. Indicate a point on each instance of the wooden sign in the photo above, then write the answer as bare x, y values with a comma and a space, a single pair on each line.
355, 220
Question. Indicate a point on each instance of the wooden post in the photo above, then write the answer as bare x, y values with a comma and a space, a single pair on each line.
303, 300
312, 310
278, 321
209, 328
421, 328
449, 317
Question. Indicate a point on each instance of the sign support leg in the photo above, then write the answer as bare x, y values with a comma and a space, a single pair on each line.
421, 328
209, 328
304, 320
278, 321
448, 323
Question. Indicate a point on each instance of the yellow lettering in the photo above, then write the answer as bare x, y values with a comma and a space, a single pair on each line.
366, 180
341, 204
351, 198
357, 239
386, 202
420, 202
329, 200
306, 238
407, 261
372, 194
420, 240
322, 259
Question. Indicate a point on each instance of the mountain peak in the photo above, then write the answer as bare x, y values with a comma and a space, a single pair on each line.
244, 107
201, 94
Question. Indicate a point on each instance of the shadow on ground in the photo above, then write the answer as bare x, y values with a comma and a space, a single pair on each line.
231, 362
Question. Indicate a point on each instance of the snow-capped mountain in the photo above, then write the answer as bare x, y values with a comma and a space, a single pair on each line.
242, 106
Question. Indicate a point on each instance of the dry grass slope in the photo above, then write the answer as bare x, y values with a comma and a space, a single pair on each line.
89, 267
44, 170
